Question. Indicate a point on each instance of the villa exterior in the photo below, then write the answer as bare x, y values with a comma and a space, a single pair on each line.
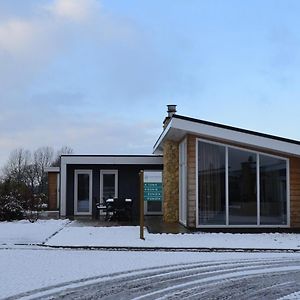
214, 176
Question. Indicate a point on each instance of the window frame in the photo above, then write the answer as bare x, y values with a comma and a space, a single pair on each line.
108, 172
257, 153
183, 216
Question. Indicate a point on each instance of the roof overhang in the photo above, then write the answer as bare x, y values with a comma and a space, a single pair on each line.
52, 170
112, 159
178, 127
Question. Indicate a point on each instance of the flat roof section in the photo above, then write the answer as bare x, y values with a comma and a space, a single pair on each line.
52, 170
113, 159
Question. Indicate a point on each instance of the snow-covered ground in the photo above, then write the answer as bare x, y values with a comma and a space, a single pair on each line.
60, 233
129, 236
24, 232
27, 269
32, 267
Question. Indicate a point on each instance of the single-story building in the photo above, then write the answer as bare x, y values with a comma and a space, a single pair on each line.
86, 180
214, 176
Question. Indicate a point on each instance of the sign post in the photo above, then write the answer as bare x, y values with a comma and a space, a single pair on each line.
142, 205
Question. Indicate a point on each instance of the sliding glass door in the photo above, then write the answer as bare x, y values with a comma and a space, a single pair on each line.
211, 184
242, 181
239, 187
273, 187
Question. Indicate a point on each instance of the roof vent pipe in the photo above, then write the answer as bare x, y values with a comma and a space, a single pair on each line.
171, 110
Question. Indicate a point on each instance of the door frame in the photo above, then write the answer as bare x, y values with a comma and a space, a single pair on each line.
76, 173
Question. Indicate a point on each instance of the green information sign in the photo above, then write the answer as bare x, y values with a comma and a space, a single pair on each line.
152, 191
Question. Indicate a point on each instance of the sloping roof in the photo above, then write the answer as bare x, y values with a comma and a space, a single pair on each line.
179, 126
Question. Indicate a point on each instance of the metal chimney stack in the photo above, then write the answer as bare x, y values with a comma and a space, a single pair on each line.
171, 110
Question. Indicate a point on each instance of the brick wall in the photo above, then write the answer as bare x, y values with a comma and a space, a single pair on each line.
171, 182
52, 191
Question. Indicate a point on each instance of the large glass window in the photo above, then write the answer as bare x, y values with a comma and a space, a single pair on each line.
240, 187
211, 185
273, 192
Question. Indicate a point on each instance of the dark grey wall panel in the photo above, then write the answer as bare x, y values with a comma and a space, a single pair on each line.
128, 183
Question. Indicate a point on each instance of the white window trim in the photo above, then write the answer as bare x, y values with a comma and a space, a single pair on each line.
257, 189
103, 172
183, 171
227, 192
76, 173
226, 186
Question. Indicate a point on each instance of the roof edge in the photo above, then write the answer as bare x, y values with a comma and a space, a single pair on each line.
52, 170
265, 135
109, 155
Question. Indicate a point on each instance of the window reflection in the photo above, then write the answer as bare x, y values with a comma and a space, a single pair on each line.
211, 176
242, 187
109, 186
83, 192
272, 190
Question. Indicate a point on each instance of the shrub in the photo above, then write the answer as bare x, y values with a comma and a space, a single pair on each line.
11, 208
33, 206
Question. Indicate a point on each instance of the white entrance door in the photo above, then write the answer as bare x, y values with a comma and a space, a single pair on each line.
83, 192
183, 182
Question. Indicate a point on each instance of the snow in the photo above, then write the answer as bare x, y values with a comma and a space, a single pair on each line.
295, 295
66, 233
28, 269
128, 236
24, 232
44, 267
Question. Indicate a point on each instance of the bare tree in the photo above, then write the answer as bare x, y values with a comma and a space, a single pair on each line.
42, 158
61, 151
15, 168
24, 181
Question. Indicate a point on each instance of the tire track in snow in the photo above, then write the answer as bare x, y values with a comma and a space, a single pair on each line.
205, 279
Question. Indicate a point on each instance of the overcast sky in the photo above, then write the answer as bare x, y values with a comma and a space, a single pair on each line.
97, 75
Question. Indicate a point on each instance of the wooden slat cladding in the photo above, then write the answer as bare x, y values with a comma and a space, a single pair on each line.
295, 191
52, 191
